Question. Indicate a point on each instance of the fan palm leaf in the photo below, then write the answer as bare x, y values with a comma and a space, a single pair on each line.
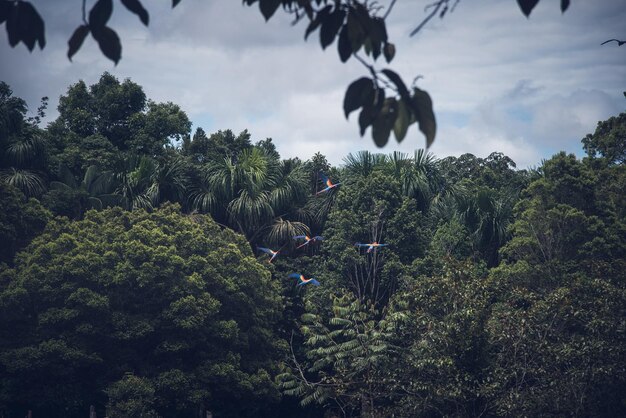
29, 182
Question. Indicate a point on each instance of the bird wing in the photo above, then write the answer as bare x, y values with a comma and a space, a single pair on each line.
610, 40
315, 282
303, 244
299, 236
265, 250
318, 238
295, 275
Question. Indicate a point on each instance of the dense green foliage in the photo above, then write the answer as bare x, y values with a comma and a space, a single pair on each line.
128, 281
177, 302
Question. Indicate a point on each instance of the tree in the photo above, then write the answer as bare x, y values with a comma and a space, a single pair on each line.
355, 24
69, 198
346, 358
253, 193
609, 140
22, 146
174, 300
21, 219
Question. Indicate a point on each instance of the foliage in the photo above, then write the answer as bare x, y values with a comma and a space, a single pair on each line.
160, 295
500, 292
21, 220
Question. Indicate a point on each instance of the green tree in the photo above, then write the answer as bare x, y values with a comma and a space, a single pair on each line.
21, 219
22, 146
609, 140
67, 197
174, 300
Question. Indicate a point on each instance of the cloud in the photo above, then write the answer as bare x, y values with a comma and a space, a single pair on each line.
499, 81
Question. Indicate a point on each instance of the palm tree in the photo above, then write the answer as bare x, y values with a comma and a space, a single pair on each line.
362, 164
94, 186
253, 193
27, 181
168, 182
23, 155
132, 179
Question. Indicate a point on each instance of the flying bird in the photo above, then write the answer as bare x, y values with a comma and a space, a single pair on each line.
371, 246
329, 184
619, 43
304, 280
269, 251
307, 239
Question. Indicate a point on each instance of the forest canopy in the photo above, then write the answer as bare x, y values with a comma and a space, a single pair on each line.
135, 272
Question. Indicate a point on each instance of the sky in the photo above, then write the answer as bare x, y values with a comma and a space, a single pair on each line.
499, 82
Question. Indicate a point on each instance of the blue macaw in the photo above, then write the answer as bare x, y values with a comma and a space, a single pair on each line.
371, 246
329, 184
269, 251
307, 239
304, 280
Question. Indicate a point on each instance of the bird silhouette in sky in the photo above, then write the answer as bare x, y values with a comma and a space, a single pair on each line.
619, 43
329, 184
304, 280
269, 251
307, 239
371, 246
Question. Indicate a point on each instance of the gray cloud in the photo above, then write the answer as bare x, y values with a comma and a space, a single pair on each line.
499, 81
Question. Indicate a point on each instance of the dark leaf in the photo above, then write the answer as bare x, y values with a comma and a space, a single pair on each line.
423, 110
356, 33
268, 7
31, 26
381, 128
564, 5
175, 3
100, 14
395, 79
76, 40
376, 49
5, 9
357, 94
136, 7
330, 26
370, 110
389, 51
527, 6
378, 30
344, 46
321, 15
109, 43
13, 29
402, 121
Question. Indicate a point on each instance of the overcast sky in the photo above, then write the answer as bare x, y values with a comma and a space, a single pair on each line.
499, 81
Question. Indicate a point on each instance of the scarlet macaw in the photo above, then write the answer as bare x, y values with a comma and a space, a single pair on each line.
371, 246
304, 280
307, 239
270, 252
329, 184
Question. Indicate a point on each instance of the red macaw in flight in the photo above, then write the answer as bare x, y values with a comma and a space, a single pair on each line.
329, 184
269, 251
371, 246
307, 239
304, 280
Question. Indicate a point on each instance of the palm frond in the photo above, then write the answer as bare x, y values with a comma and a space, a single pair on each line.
29, 182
